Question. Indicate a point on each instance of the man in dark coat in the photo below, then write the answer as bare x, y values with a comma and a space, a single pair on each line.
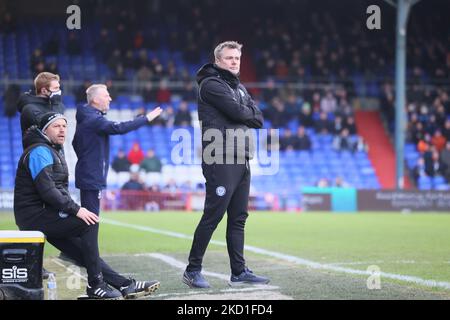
225, 110
47, 99
120, 162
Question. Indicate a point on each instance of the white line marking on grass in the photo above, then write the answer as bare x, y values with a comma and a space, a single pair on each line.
182, 266
196, 292
57, 261
355, 263
293, 259
377, 262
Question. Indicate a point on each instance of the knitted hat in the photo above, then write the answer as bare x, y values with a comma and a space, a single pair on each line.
48, 118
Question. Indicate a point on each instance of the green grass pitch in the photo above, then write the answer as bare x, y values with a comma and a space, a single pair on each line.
414, 245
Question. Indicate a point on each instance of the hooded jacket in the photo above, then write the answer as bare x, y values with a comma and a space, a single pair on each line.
224, 104
91, 144
33, 107
41, 186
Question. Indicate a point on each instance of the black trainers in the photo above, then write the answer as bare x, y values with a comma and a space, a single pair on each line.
247, 277
195, 279
139, 289
103, 291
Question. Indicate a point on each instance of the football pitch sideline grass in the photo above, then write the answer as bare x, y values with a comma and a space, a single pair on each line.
320, 251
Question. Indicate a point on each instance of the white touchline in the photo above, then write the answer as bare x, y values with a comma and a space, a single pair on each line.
203, 292
289, 258
181, 265
367, 263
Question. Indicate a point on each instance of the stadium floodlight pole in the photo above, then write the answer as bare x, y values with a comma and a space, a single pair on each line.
403, 7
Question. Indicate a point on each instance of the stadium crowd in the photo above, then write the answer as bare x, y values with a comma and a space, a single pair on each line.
136, 42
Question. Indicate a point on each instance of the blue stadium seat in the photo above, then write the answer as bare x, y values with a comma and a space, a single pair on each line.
438, 180
68, 100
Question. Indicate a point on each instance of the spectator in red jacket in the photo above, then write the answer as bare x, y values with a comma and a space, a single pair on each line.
136, 155
438, 140
163, 94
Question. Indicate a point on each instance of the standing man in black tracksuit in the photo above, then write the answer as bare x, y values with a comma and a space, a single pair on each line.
91, 143
226, 111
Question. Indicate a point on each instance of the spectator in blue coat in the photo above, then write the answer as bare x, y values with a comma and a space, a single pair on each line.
91, 143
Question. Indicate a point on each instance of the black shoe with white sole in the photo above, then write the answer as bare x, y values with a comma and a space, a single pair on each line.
103, 291
139, 289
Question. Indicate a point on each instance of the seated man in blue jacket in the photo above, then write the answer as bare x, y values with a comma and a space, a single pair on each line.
42, 202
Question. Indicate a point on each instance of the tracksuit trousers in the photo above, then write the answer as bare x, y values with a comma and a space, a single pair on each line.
61, 228
227, 190
90, 199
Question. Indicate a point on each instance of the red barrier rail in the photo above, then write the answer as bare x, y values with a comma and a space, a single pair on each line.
179, 200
